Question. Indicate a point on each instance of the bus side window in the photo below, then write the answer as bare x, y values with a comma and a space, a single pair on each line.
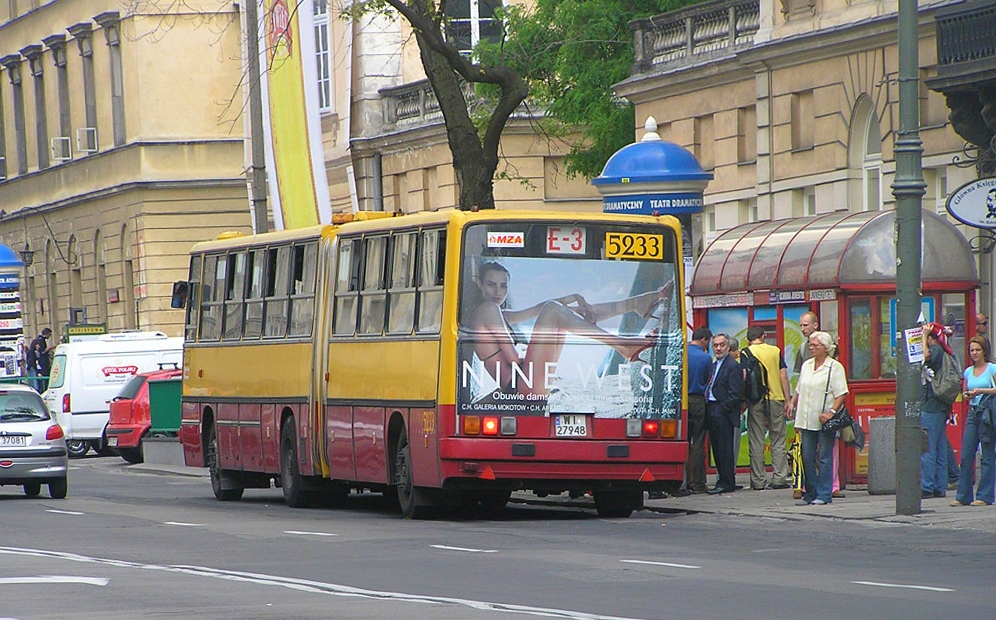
212, 294
235, 285
193, 299
277, 291
373, 292
347, 283
401, 286
254, 297
305, 266
432, 258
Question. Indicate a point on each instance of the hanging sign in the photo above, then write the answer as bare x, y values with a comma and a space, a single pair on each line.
974, 203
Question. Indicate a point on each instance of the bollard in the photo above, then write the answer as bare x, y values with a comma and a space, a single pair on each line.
882, 456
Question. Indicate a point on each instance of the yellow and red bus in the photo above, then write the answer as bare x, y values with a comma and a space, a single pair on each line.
444, 357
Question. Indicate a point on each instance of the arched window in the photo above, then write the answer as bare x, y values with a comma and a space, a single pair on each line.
865, 157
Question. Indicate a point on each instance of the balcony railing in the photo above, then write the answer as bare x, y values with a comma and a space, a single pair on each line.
696, 33
414, 104
966, 33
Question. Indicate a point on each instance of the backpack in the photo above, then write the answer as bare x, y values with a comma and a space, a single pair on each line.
755, 378
947, 381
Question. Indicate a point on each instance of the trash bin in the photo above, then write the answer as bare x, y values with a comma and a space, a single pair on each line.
882, 455
164, 406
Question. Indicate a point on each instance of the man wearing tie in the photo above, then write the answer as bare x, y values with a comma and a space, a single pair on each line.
723, 412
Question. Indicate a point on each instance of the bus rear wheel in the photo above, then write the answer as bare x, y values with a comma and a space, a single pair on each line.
618, 503
214, 467
410, 498
291, 480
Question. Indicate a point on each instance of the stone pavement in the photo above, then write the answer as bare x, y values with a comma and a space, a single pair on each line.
857, 506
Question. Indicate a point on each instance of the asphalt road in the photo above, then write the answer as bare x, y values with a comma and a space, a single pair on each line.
128, 544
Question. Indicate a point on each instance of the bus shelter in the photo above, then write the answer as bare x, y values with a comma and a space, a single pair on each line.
842, 266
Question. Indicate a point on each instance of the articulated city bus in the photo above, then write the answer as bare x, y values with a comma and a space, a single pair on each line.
440, 358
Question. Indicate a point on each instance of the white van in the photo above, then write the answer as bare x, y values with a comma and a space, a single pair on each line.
86, 375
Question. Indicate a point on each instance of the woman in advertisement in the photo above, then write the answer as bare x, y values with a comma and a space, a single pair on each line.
492, 323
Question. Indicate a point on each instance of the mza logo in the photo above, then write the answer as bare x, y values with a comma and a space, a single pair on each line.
506, 240
110, 371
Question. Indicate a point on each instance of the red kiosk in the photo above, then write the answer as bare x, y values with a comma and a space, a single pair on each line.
842, 266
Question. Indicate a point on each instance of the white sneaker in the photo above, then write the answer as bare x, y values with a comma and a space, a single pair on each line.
818, 502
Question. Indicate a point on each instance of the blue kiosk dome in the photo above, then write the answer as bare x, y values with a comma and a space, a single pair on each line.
652, 176
9, 259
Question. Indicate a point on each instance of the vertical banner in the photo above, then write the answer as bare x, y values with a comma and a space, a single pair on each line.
295, 164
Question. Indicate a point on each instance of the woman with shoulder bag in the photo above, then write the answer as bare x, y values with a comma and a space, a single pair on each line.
978, 383
934, 414
819, 395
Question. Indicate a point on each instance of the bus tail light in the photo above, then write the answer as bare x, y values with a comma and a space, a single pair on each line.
508, 425
471, 425
669, 429
65, 403
634, 427
651, 428
489, 426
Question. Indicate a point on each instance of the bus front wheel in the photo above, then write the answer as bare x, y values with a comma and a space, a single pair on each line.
214, 467
410, 498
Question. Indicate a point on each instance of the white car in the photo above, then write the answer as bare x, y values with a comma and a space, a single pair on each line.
32, 445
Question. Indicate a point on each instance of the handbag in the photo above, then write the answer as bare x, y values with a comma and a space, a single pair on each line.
841, 418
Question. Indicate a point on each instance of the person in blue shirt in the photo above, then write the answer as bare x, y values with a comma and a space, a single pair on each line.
699, 373
979, 381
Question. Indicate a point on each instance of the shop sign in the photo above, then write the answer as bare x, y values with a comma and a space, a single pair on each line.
9, 281
651, 204
719, 301
974, 203
786, 297
825, 294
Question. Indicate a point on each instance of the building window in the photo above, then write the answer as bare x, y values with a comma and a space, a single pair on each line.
871, 168
34, 55
3, 143
748, 210
469, 21
809, 201
705, 141
86, 136
20, 135
747, 134
803, 119
112, 36
61, 148
322, 56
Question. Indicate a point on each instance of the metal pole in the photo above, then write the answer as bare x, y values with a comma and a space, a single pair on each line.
257, 174
908, 189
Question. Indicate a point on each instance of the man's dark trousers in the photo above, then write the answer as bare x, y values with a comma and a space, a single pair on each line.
695, 468
721, 427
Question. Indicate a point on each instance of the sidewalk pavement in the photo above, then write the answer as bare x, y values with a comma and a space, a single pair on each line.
858, 505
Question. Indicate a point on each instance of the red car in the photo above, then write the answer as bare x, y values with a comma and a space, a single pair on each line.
130, 417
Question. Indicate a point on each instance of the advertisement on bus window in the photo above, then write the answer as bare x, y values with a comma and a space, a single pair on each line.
563, 320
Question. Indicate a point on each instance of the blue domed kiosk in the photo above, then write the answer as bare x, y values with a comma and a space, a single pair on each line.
11, 323
654, 177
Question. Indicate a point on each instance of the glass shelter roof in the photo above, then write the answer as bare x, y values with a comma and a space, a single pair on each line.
838, 250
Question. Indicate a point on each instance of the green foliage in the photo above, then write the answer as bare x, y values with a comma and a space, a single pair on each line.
571, 52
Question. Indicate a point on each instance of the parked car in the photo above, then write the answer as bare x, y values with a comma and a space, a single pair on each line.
32, 445
131, 415
86, 375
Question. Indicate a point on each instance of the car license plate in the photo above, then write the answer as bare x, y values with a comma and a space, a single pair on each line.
571, 426
13, 440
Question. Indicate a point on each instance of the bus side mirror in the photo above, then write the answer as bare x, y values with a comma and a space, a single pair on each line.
179, 298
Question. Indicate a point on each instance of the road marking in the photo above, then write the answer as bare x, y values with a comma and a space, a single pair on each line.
181, 524
299, 533
902, 585
316, 587
448, 548
671, 564
92, 581
64, 512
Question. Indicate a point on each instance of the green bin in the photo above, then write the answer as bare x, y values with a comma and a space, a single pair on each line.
164, 406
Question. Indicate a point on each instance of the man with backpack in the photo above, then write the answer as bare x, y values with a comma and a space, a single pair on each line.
940, 389
768, 405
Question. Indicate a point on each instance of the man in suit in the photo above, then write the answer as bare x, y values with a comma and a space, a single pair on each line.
723, 412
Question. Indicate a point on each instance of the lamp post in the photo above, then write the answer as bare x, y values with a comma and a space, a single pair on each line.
908, 188
27, 255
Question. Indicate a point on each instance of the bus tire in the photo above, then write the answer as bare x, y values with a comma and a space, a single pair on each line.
214, 467
132, 455
618, 503
410, 498
291, 480
493, 502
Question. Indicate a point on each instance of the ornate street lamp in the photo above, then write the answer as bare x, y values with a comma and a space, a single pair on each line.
27, 255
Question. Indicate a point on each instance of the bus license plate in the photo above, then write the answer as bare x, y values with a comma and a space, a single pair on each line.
13, 440
571, 426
